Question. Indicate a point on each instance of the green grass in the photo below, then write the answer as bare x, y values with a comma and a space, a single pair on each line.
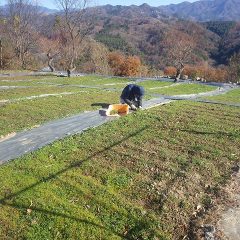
146, 84
24, 83
139, 177
20, 80
38, 90
28, 113
14, 71
154, 84
91, 81
106, 82
184, 89
117, 83
230, 97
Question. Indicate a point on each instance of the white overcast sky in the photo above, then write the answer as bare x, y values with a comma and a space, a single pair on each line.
51, 3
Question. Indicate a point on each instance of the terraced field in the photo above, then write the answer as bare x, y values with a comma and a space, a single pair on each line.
26, 102
230, 97
142, 176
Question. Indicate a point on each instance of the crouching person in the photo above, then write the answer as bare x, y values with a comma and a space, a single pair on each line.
132, 95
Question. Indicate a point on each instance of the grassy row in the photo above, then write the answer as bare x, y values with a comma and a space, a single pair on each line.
150, 86
20, 79
140, 177
119, 83
28, 113
230, 97
35, 91
88, 80
183, 89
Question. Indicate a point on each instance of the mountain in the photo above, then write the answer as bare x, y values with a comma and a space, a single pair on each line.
205, 10
202, 11
45, 10
132, 11
229, 44
141, 30
40, 9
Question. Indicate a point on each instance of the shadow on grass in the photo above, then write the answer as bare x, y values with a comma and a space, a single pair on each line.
103, 105
139, 225
56, 214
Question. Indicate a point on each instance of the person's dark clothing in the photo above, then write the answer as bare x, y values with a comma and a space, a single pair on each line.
133, 94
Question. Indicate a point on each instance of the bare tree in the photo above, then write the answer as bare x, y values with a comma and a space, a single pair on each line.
51, 48
178, 48
234, 68
2, 22
74, 25
1, 54
21, 16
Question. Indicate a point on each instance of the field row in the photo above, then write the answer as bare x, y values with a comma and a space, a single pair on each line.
30, 101
140, 177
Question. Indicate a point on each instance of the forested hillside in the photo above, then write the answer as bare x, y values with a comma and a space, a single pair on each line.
111, 37
205, 10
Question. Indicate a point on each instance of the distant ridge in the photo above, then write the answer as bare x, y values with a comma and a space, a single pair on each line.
205, 10
41, 9
202, 11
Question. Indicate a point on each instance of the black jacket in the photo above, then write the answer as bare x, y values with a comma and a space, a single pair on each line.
133, 94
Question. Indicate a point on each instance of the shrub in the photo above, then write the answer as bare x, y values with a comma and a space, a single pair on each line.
170, 71
206, 72
125, 66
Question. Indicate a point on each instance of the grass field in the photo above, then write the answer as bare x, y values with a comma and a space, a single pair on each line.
183, 89
24, 114
28, 113
230, 97
6, 79
13, 71
35, 91
140, 177
89, 80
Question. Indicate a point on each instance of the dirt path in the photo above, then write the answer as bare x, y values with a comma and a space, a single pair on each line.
229, 223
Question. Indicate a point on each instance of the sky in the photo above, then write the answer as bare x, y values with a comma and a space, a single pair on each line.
51, 3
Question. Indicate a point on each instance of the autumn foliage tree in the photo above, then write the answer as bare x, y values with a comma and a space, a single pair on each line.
177, 50
206, 73
131, 66
125, 65
116, 61
170, 71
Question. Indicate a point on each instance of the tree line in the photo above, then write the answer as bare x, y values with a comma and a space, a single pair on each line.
71, 43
